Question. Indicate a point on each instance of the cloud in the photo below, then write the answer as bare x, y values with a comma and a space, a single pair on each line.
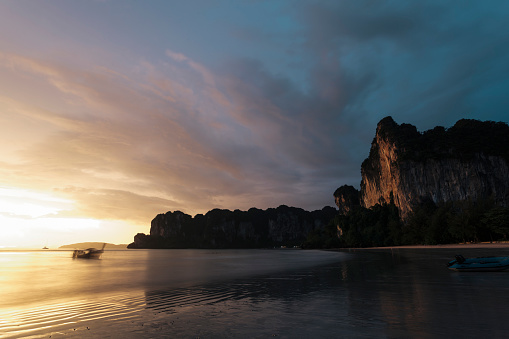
176, 56
284, 126
119, 141
111, 204
420, 62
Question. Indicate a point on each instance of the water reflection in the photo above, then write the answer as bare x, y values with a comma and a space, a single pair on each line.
393, 294
297, 303
41, 276
414, 295
232, 294
195, 267
287, 287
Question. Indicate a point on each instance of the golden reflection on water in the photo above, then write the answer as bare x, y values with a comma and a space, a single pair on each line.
70, 316
366, 294
48, 291
33, 276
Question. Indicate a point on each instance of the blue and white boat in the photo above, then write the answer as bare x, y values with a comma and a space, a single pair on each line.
480, 264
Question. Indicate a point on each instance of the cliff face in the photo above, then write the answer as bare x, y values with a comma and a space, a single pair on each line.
468, 161
255, 228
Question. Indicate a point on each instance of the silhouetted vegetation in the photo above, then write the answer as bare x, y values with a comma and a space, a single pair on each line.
379, 225
454, 222
429, 224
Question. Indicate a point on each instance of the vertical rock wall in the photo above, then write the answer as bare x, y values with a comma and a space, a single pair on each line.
397, 169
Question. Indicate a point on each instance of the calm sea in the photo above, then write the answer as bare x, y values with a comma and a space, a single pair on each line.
398, 293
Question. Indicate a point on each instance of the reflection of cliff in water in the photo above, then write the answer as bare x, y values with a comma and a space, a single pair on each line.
372, 293
287, 287
182, 268
412, 294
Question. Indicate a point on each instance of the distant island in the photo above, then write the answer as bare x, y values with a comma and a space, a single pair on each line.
434, 187
83, 245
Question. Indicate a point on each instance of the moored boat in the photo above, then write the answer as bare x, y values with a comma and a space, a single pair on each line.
89, 253
479, 264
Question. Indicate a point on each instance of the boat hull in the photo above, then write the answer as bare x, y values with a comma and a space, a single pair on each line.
482, 264
89, 253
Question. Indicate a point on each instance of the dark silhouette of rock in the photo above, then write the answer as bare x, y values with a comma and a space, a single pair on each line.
255, 228
469, 161
346, 198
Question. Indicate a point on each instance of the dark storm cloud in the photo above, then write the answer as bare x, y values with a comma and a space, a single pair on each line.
279, 110
427, 64
394, 57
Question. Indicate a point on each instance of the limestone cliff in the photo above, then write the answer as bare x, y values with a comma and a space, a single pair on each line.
255, 228
467, 161
346, 197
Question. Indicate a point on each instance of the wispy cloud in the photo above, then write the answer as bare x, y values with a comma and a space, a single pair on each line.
238, 112
213, 144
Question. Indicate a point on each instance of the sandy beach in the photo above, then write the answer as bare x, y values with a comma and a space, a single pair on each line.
493, 245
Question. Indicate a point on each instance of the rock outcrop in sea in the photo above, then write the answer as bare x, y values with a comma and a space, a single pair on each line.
467, 161
255, 228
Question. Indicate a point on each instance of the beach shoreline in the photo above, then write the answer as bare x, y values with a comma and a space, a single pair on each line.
435, 247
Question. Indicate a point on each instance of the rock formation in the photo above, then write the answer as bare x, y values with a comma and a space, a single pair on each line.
255, 228
468, 161
346, 197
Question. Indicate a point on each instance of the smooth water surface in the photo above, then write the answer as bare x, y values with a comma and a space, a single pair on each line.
250, 294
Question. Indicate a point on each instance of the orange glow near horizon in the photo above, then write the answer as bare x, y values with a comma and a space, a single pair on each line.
22, 202
30, 219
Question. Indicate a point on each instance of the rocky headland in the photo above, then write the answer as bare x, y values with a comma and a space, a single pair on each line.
438, 186
255, 228
469, 161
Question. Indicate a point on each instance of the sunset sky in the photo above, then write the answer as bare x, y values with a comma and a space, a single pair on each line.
114, 111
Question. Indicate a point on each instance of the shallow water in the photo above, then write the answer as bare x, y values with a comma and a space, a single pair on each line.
250, 294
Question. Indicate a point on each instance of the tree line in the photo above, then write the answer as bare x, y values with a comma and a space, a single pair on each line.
428, 224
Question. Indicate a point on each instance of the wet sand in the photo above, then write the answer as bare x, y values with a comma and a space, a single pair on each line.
155, 294
186, 322
391, 292
487, 245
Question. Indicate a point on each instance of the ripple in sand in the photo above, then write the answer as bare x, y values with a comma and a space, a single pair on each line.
68, 315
